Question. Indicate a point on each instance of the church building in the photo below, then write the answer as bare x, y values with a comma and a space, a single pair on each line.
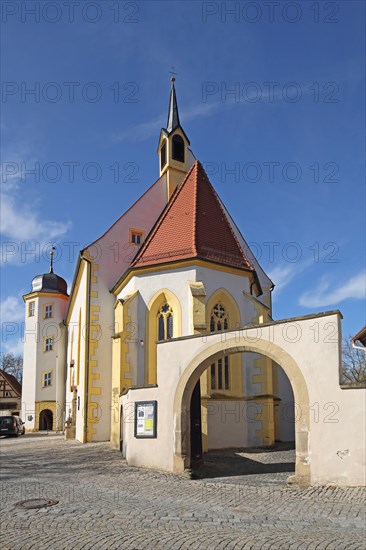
174, 265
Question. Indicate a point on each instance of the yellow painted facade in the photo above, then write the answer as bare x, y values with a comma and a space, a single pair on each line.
174, 170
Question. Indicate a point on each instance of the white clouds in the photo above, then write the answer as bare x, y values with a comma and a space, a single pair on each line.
324, 295
12, 310
282, 275
24, 223
146, 130
14, 346
21, 218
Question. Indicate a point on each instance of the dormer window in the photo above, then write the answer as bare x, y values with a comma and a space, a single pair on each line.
163, 155
136, 236
178, 148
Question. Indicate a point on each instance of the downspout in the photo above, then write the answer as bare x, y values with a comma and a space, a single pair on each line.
270, 298
87, 347
358, 347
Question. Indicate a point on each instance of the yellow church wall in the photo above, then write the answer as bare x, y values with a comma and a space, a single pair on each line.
76, 354
122, 343
263, 377
109, 256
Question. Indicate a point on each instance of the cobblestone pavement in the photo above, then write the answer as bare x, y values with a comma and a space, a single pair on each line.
104, 504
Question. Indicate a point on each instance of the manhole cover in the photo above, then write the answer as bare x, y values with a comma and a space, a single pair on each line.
36, 503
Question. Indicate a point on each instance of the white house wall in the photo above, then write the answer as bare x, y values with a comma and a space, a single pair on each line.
330, 445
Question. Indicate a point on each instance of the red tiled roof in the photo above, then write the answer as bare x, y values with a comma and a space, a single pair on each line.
12, 381
193, 225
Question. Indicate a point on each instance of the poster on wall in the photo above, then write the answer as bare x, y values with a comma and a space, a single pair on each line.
145, 418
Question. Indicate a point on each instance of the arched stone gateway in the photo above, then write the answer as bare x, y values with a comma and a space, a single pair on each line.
200, 363
329, 420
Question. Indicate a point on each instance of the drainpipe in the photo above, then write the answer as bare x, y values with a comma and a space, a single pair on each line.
87, 347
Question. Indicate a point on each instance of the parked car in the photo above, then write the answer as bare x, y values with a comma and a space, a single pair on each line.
11, 425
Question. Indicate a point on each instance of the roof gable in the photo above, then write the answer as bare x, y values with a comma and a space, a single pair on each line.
12, 381
193, 225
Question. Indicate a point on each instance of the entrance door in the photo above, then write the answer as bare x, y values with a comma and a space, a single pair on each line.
196, 429
46, 420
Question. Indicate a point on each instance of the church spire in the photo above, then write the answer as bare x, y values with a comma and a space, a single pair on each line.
173, 115
173, 151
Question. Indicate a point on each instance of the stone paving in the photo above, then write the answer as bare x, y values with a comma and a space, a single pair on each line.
104, 504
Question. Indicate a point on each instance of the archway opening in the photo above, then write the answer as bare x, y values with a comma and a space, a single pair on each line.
46, 420
243, 430
261, 408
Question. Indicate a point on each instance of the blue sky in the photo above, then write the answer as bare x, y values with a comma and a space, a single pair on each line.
292, 131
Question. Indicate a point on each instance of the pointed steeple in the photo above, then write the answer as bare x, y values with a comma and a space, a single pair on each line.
173, 115
173, 149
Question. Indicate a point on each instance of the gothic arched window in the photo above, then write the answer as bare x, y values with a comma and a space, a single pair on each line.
178, 148
165, 322
218, 318
220, 379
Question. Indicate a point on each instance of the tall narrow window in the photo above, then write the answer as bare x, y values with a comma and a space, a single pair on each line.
31, 309
48, 311
163, 155
219, 371
165, 323
178, 148
48, 346
47, 379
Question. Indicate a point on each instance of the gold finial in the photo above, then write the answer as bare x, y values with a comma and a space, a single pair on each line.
173, 73
51, 259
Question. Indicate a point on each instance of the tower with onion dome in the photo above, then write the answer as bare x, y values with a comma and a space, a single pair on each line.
43, 396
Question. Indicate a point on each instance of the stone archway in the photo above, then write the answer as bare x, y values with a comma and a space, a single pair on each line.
212, 353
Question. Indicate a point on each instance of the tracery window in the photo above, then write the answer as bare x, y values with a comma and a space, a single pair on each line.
165, 322
219, 318
219, 371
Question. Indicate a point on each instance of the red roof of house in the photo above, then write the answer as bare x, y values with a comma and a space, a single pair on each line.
193, 225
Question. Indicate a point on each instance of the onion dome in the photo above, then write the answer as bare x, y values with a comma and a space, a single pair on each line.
49, 282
